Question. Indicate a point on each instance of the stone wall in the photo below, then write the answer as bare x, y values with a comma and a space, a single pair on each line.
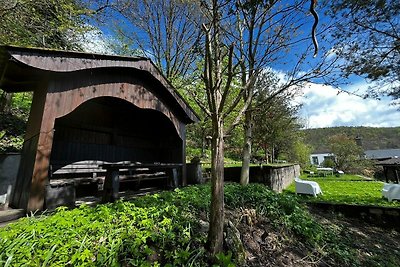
9, 164
194, 173
276, 178
381, 216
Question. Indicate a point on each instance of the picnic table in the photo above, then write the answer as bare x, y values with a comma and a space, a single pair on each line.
136, 171
324, 171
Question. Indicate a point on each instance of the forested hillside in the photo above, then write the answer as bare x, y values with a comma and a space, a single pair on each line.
371, 138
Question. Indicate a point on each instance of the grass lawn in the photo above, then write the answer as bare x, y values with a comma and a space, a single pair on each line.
347, 189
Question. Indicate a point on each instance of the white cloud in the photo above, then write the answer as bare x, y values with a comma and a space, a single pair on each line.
325, 106
95, 41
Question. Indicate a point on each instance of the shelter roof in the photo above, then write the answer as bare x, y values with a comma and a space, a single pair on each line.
382, 153
390, 162
24, 69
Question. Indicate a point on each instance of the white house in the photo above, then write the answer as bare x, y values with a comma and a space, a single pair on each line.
377, 154
319, 158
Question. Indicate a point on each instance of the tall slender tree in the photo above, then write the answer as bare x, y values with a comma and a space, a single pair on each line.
217, 87
262, 33
265, 32
231, 54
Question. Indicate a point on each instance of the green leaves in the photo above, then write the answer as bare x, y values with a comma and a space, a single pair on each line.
43, 23
106, 235
155, 230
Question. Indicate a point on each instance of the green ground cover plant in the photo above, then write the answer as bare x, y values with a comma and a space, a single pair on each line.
158, 226
156, 230
347, 189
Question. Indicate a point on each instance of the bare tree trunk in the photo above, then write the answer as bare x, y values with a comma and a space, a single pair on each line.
265, 154
245, 171
216, 233
205, 141
273, 154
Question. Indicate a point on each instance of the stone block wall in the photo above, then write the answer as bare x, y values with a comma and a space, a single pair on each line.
9, 164
276, 178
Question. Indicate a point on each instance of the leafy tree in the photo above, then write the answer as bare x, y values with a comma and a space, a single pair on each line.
328, 163
367, 36
346, 151
43, 23
58, 24
300, 153
276, 126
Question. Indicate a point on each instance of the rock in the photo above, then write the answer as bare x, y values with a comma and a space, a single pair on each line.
258, 235
155, 256
235, 244
204, 226
251, 244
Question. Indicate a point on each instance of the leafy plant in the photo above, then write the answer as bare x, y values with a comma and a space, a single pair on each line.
158, 230
225, 260
106, 235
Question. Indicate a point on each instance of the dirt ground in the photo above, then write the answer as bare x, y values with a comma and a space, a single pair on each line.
376, 246
265, 245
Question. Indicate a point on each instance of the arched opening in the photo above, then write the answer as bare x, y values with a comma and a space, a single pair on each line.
108, 129
111, 129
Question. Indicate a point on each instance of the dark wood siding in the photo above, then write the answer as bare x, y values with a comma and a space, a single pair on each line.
110, 129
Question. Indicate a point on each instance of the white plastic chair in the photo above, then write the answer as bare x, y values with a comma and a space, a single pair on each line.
307, 187
391, 191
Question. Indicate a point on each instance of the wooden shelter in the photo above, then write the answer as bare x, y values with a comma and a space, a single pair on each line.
391, 169
91, 107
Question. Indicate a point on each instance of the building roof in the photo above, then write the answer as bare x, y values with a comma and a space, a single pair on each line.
25, 69
382, 153
321, 153
390, 162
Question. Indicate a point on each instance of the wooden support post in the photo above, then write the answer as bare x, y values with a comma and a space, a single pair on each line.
40, 172
111, 186
175, 180
29, 193
183, 173
385, 172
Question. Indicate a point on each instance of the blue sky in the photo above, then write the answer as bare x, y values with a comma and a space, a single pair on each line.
322, 105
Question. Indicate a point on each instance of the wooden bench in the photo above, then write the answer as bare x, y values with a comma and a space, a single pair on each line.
122, 172
84, 170
70, 180
91, 172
